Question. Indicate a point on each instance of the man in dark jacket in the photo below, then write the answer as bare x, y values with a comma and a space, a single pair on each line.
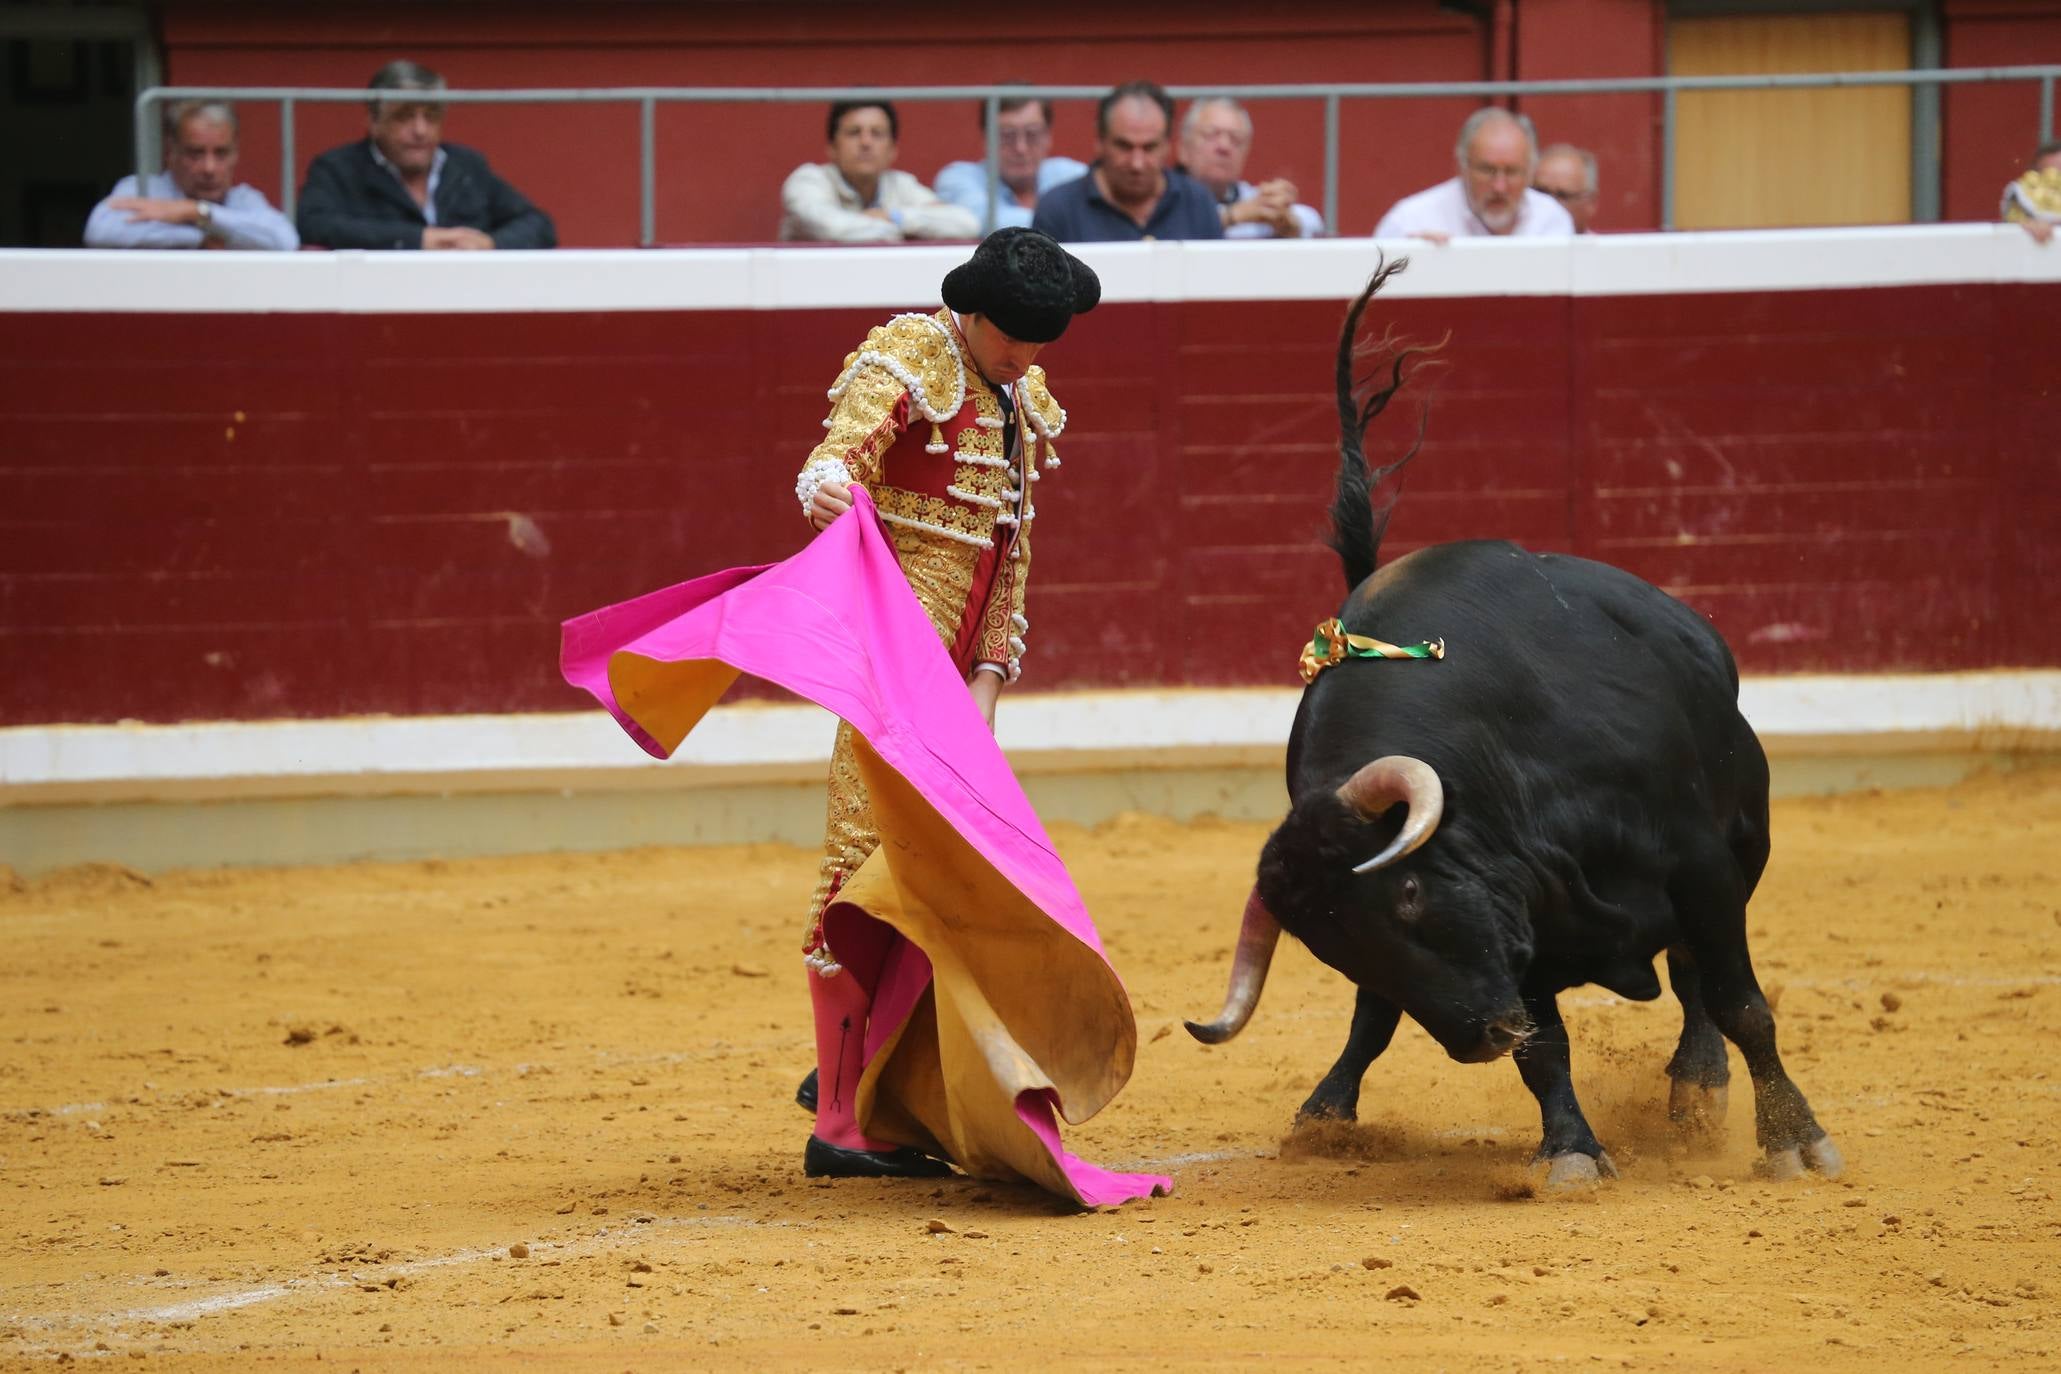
404, 187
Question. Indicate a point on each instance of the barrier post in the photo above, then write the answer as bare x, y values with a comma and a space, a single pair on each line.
146, 138
287, 192
1667, 158
647, 171
994, 140
1331, 163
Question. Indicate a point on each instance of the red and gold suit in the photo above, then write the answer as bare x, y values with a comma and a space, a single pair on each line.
914, 423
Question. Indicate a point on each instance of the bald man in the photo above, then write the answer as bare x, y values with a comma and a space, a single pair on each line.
1497, 152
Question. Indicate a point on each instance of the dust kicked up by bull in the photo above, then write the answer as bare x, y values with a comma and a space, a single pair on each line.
1567, 793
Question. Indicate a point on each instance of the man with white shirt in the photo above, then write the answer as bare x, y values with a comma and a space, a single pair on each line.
1491, 197
1023, 137
858, 196
195, 202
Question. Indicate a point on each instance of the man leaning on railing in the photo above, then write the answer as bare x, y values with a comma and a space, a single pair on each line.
402, 186
196, 202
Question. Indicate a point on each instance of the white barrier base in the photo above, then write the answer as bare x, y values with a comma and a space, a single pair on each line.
157, 796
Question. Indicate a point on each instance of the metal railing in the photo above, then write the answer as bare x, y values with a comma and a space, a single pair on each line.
149, 156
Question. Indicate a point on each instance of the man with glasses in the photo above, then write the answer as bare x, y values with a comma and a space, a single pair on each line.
1028, 169
1568, 175
1216, 140
1491, 197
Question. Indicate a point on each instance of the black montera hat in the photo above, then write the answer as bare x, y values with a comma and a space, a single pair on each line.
1024, 283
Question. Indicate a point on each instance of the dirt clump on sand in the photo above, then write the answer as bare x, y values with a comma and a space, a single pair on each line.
539, 1112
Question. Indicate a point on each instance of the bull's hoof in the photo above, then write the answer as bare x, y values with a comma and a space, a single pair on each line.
1698, 1112
1324, 1106
1794, 1161
1577, 1170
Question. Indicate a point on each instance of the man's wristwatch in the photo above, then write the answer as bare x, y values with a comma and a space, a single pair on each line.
204, 213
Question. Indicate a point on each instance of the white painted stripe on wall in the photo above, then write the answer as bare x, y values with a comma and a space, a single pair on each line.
1042, 733
800, 277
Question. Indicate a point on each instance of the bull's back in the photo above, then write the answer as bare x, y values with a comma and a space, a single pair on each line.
1547, 656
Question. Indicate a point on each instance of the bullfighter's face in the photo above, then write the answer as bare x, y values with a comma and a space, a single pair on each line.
1426, 933
1001, 358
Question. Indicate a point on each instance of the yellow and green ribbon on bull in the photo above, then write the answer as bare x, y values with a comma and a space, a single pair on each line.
1331, 644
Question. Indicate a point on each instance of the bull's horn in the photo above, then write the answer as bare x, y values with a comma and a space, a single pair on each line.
1384, 782
1257, 936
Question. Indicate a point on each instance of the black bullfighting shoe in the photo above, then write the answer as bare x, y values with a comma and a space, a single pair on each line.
805, 1095
824, 1160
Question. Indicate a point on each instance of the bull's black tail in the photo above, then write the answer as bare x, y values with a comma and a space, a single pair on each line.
1357, 521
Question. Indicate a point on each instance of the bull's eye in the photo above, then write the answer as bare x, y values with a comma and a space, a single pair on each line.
1409, 898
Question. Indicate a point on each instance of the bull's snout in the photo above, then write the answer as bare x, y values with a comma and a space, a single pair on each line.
1497, 1039
1504, 1037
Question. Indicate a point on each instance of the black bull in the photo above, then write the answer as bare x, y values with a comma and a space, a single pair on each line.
1568, 793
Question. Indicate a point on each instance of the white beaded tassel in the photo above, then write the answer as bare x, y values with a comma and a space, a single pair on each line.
1048, 433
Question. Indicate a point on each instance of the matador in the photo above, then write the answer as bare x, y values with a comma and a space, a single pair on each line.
948, 423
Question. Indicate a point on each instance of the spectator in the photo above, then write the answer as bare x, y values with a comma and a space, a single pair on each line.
402, 186
1568, 175
857, 196
1492, 195
1129, 193
195, 202
1216, 138
2034, 200
1024, 140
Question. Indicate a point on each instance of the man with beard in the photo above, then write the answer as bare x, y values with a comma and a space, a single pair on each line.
1491, 197
1130, 194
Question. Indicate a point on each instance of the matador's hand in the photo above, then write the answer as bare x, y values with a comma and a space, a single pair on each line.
832, 499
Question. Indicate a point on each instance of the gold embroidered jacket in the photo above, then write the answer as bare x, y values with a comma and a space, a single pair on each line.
912, 422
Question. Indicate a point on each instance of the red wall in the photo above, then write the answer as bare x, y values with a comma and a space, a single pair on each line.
720, 167
332, 515
1569, 40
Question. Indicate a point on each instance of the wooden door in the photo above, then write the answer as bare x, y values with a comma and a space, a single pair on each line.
1758, 159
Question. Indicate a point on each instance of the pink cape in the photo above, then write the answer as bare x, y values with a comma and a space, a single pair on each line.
996, 1009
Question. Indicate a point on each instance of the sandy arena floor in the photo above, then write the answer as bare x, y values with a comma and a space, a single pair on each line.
535, 1113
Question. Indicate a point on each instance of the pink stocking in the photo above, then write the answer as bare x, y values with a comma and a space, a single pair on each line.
841, 1004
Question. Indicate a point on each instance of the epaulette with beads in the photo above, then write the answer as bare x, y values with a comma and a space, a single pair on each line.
919, 352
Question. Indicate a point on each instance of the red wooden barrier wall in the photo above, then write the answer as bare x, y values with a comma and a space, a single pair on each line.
250, 516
